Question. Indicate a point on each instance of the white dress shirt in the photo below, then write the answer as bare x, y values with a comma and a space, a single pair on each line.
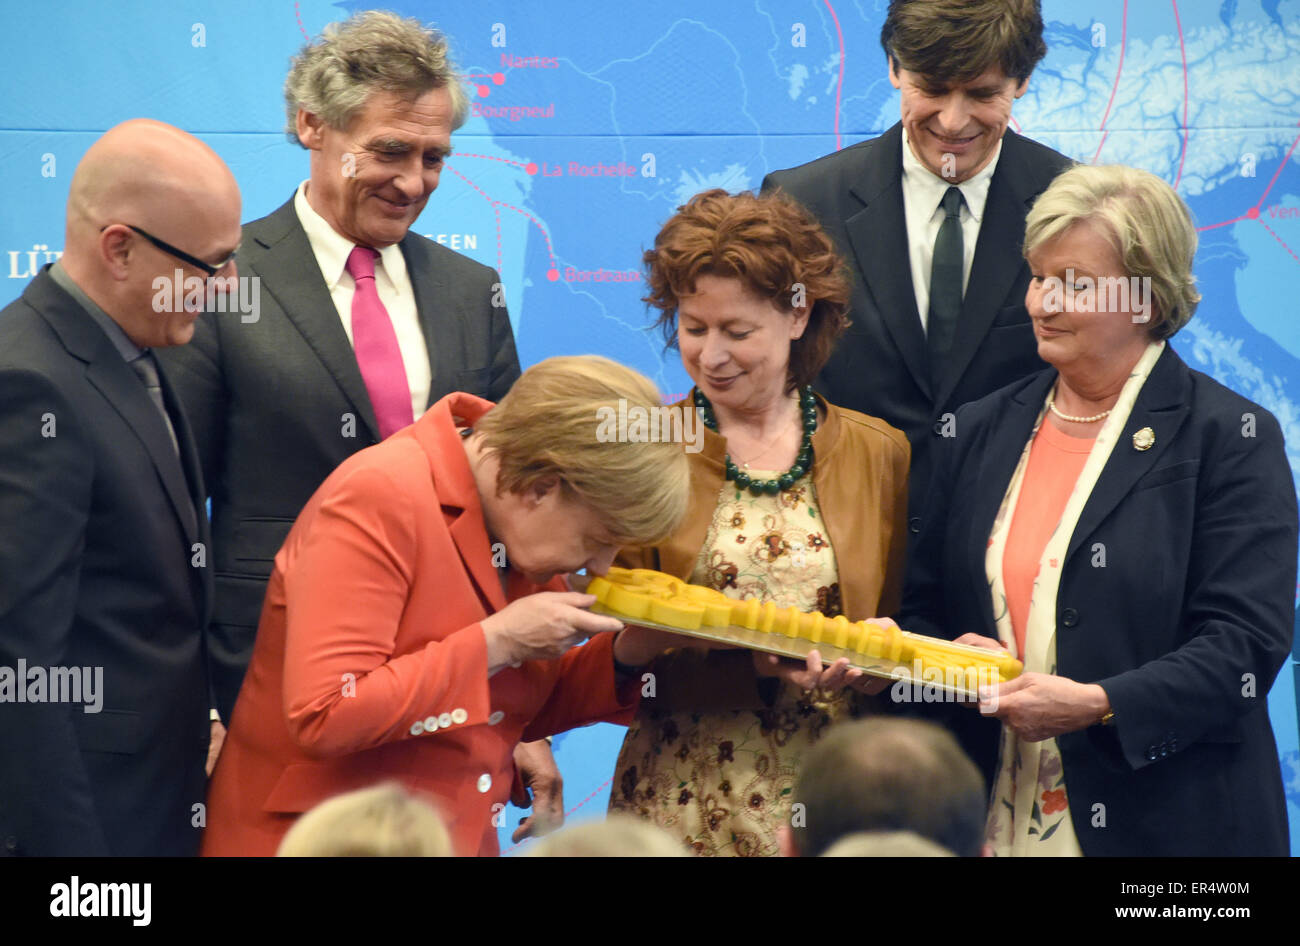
923, 192
393, 284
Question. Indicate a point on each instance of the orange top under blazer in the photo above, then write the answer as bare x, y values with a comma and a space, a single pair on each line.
371, 664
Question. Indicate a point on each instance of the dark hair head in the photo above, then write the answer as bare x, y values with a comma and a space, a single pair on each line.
774, 247
890, 775
957, 40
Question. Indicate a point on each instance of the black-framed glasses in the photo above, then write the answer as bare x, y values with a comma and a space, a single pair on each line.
208, 269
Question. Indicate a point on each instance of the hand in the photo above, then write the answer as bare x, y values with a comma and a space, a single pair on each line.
538, 771
216, 740
636, 646
975, 640
542, 626
813, 675
1038, 706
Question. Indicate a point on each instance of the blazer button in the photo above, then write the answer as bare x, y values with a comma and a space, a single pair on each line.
459, 716
484, 783
1151, 753
496, 717
914, 525
1164, 752
1069, 617
431, 724
417, 727
444, 720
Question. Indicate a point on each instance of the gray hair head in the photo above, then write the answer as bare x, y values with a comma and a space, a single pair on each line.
372, 51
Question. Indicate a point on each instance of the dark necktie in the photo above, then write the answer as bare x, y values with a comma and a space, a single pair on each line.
145, 367
945, 285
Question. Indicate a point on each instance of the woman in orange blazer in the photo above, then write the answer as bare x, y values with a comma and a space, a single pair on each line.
416, 626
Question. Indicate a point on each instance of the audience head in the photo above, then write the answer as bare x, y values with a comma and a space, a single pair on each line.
383, 821
885, 844
152, 213
888, 775
751, 291
375, 99
616, 836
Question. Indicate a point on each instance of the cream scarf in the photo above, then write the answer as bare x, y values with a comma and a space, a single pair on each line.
1029, 814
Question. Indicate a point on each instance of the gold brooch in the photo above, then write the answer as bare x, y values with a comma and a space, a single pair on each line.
1144, 439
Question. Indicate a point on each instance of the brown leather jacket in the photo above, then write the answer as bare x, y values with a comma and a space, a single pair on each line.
860, 475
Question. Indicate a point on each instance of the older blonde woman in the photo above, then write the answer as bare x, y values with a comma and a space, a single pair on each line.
417, 625
1127, 527
793, 501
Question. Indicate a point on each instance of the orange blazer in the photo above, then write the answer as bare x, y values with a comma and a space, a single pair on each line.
370, 662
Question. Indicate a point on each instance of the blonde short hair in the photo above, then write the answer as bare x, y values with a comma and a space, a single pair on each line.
546, 426
1145, 221
384, 821
886, 844
371, 51
616, 836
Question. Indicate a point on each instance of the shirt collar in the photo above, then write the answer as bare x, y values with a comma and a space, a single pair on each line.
929, 186
128, 349
332, 250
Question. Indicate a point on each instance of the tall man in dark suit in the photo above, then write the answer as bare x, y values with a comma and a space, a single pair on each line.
930, 216
360, 324
104, 578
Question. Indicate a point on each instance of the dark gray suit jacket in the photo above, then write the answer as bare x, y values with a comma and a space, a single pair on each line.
881, 365
99, 522
277, 404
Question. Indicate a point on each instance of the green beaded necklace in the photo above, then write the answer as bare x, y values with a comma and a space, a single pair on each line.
802, 464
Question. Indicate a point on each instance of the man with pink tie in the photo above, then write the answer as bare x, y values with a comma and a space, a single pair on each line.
362, 324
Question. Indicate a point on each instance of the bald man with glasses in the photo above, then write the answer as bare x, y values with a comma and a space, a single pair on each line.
104, 579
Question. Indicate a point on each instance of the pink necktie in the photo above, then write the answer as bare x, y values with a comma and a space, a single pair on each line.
375, 344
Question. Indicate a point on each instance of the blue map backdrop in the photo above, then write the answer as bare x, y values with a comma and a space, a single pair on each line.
592, 121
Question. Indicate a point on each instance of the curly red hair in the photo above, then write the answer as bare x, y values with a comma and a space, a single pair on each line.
773, 246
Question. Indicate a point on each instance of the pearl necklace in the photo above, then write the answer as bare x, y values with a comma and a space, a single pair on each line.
1051, 404
802, 464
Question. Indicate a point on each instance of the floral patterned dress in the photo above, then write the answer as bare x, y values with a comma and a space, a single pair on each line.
722, 781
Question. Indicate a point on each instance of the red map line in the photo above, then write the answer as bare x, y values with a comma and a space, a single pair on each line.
1273, 180
488, 157
1282, 241
1253, 212
839, 85
602, 787
1123, 42
1182, 47
501, 203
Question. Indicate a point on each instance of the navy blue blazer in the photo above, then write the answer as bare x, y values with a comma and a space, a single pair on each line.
1176, 596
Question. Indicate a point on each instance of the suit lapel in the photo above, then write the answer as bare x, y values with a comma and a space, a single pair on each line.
426, 284
453, 481
289, 272
997, 261
118, 383
874, 234
1162, 405
997, 464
